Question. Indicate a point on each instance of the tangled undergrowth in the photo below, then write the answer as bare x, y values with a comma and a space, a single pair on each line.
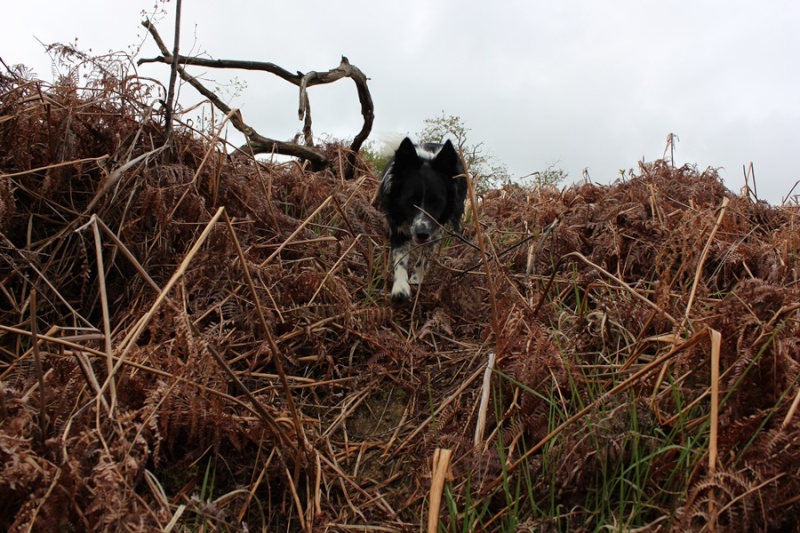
191, 339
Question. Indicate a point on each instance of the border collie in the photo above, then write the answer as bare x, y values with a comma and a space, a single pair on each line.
423, 188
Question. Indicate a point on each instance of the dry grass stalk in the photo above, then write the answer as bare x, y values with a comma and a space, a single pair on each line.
703, 256
101, 278
480, 427
482, 248
439, 474
713, 452
128, 342
37, 360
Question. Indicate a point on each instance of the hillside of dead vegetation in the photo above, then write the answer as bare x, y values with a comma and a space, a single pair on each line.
192, 340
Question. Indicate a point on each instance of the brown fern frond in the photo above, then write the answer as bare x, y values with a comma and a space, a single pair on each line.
727, 501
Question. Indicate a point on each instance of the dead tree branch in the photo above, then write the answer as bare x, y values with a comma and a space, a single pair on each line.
258, 143
172, 76
344, 70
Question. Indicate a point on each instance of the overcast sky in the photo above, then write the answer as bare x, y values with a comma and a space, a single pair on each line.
577, 85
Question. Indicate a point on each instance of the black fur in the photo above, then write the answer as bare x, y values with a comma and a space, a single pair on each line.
423, 189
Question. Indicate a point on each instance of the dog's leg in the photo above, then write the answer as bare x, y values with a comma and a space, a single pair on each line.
401, 291
424, 259
421, 267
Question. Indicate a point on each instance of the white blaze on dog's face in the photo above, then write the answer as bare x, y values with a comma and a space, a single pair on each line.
427, 205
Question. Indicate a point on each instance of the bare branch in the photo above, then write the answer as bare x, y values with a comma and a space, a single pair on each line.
172, 75
258, 143
265, 66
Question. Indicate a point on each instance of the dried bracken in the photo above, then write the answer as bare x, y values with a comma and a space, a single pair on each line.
238, 363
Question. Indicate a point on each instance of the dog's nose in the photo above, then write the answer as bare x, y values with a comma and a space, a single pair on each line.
422, 236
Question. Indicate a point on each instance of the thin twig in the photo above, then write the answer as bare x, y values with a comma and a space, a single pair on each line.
37, 360
173, 75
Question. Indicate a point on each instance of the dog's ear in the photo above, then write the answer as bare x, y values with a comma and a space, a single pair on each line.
406, 154
447, 160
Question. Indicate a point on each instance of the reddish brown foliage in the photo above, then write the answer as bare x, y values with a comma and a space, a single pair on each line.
581, 307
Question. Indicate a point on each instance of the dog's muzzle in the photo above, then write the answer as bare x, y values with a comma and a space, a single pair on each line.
423, 229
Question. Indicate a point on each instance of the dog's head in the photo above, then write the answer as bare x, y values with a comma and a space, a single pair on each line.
423, 189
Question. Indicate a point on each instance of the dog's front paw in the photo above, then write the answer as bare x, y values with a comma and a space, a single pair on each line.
401, 292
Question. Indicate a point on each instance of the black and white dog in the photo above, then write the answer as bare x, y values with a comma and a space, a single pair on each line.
423, 188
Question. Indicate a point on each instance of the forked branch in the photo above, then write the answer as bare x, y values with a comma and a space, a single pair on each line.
258, 143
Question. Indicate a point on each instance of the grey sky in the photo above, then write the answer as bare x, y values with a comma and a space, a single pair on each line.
565, 83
